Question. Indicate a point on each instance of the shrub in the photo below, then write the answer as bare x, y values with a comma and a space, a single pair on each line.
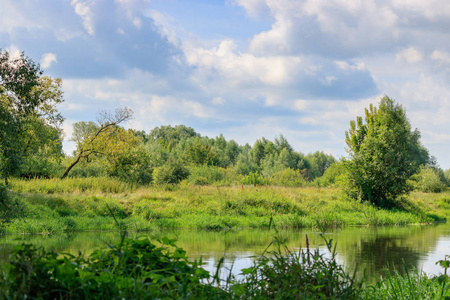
283, 274
171, 173
254, 179
427, 181
287, 177
330, 176
10, 206
202, 175
133, 269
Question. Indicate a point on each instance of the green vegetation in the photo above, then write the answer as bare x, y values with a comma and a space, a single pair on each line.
384, 154
158, 269
74, 204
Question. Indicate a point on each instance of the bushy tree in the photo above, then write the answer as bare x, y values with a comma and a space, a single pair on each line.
427, 180
29, 122
172, 172
383, 153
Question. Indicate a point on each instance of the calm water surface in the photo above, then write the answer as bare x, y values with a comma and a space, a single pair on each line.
369, 249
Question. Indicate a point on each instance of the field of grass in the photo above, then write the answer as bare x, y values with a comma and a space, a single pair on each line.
78, 204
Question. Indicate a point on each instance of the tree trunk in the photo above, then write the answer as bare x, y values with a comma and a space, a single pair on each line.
71, 166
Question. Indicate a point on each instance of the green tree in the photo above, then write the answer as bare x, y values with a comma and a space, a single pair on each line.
28, 115
384, 152
103, 139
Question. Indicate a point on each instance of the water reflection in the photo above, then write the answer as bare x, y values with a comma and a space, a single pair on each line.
369, 249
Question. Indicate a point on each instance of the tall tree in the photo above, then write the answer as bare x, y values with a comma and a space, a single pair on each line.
27, 106
384, 152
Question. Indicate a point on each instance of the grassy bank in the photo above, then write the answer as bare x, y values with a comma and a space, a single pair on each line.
92, 204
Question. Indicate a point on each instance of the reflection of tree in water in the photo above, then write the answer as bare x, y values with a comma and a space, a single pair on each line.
374, 252
385, 251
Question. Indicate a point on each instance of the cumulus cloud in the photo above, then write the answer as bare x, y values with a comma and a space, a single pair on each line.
410, 55
47, 60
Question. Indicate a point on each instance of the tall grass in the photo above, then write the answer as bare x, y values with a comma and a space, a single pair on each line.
72, 204
72, 185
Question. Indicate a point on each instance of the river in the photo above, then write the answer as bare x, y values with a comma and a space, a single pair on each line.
364, 248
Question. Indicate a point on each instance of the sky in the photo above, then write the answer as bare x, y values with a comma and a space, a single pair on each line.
243, 68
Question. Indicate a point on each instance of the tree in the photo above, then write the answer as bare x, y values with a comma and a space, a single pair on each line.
384, 152
27, 110
100, 139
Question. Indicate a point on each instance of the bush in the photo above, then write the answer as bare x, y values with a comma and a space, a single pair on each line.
330, 176
427, 181
171, 173
202, 175
10, 206
133, 269
254, 179
287, 177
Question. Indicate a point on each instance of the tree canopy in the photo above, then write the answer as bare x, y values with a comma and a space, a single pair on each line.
384, 152
29, 122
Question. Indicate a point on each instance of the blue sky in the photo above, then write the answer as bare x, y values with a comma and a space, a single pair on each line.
244, 68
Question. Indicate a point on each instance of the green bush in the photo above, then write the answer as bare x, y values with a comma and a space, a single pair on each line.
170, 173
330, 175
254, 179
427, 181
10, 206
202, 175
287, 177
133, 269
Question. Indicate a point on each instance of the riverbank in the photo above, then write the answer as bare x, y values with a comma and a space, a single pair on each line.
50, 206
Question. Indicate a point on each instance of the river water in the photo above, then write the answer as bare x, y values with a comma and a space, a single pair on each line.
364, 248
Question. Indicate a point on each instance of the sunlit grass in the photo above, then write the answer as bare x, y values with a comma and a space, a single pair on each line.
56, 205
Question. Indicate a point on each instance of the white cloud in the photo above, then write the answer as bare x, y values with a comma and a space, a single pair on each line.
47, 60
253, 7
242, 68
83, 10
409, 55
441, 57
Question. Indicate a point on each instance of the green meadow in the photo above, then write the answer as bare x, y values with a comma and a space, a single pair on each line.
82, 204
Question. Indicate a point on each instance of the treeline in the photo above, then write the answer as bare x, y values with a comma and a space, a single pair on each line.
170, 154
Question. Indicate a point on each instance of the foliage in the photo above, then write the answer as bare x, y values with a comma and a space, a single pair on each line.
132, 269
10, 206
411, 285
427, 181
29, 121
200, 153
103, 139
202, 175
244, 165
320, 162
283, 274
128, 160
331, 175
384, 152
171, 173
287, 177
254, 179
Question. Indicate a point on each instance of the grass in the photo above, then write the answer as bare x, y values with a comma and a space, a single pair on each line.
78, 204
